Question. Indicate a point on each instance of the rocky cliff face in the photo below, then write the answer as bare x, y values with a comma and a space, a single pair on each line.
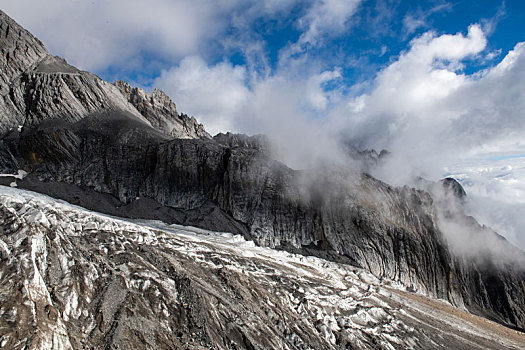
162, 113
114, 146
37, 87
20, 50
335, 213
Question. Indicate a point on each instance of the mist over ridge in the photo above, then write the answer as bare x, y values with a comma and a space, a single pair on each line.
366, 176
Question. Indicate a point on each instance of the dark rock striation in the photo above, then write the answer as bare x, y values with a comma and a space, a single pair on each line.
116, 143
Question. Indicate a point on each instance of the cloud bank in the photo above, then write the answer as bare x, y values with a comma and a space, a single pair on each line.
132, 35
422, 107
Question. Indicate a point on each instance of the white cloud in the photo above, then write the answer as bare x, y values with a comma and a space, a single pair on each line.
316, 96
98, 34
214, 94
419, 19
415, 98
490, 24
281, 108
411, 23
496, 191
326, 17
490, 109
426, 73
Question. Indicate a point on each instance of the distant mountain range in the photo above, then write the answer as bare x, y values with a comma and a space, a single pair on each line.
118, 150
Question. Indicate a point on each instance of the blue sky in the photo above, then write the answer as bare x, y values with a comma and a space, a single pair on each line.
372, 33
376, 33
441, 84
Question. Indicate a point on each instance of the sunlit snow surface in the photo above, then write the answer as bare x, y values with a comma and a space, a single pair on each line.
71, 278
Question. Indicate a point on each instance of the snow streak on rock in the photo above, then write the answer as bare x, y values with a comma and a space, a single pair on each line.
70, 278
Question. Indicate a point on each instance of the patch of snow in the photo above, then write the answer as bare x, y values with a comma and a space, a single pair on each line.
19, 175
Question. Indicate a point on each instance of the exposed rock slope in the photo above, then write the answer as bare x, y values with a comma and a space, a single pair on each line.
337, 214
37, 86
81, 132
162, 113
72, 279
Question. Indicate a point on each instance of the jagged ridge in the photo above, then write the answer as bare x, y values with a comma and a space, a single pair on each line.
81, 131
37, 87
162, 113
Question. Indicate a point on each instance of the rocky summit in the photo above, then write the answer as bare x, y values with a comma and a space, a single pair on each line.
312, 259
38, 87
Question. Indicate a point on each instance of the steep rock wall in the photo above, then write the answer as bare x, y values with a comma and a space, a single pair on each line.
391, 232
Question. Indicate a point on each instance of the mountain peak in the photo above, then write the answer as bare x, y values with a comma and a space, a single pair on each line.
161, 112
36, 86
19, 49
160, 97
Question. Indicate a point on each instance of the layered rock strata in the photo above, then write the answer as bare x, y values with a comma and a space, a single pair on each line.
113, 144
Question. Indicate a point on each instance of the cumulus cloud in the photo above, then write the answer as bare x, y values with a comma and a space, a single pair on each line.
213, 93
415, 101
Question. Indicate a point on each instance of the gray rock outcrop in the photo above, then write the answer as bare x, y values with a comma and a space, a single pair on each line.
162, 113
117, 142
36, 87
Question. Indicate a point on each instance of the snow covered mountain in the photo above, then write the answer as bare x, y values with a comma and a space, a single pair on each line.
86, 280
72, 278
